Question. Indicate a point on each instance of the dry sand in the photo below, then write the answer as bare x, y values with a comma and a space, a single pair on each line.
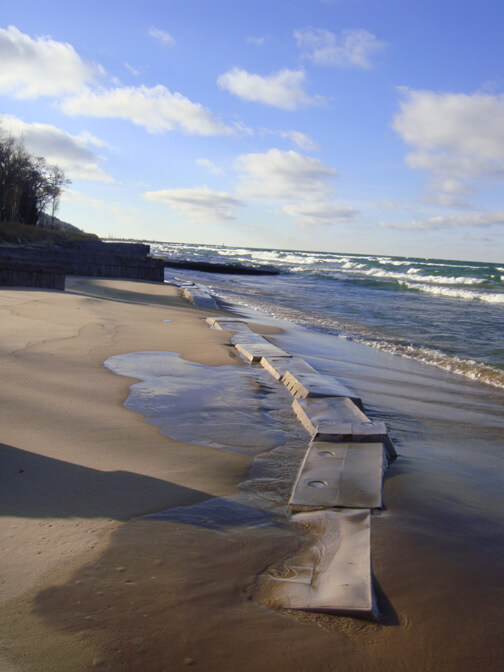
86, 584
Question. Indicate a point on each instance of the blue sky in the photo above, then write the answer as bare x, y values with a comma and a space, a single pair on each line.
367, 126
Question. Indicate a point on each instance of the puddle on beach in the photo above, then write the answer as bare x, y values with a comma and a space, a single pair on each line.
240, 409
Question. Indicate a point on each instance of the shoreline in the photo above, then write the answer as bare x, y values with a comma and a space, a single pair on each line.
193, 583
70, 465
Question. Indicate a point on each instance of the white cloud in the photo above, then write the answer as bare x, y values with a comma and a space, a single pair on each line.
132, 69
72, 196
319, 213
447, 200
301, 184
301, 140
284, 175
282, 89
352, 48
458, 138
200, 204
478, 220
210, 166
125, 220
385, 204
256, 41
455, 187
30, 68
162, 36
468, 125
74, 154
155, 108
242, 129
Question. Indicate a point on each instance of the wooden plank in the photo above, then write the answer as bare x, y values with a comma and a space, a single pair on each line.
339, 475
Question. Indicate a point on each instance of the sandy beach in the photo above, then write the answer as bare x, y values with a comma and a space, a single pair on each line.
87, 583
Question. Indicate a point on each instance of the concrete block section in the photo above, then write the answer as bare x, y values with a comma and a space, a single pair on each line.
334, 575
230, 323
316, 414
198, 297
254, 352
302, 385
338, 419
238, 326
339, 475
247, 337
180, 282
279, 366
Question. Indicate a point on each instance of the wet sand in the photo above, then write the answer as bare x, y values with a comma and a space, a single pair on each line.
87, 584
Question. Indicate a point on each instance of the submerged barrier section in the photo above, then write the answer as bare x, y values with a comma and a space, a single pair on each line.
338, 485
195, 294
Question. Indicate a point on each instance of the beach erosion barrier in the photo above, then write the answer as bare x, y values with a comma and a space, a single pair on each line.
46, 266
193, 293
198, 297
338, 486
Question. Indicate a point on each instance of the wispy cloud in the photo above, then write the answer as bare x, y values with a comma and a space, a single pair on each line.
299, 183
476, 220
162, 36
127, 220
350, 49
316, 214
210, 166
157, 109
255, 41
132, 69
74, 154
302, 140
32, 68
282, 89
201, 205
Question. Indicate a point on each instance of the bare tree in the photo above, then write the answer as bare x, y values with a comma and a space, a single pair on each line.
55, 182
28, 185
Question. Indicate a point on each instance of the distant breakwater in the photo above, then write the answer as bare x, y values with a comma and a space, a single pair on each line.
212, 267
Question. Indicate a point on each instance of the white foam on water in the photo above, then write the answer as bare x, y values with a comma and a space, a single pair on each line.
465, 294
468, 368
414, 274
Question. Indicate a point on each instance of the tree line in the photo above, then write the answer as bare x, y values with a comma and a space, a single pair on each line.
29, 186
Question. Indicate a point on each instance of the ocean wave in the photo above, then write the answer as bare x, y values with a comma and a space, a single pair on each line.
452, 293
282, 257
468, 368
353, 264
231, 252
414, 275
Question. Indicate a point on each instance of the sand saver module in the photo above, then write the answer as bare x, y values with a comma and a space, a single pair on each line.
339, 482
